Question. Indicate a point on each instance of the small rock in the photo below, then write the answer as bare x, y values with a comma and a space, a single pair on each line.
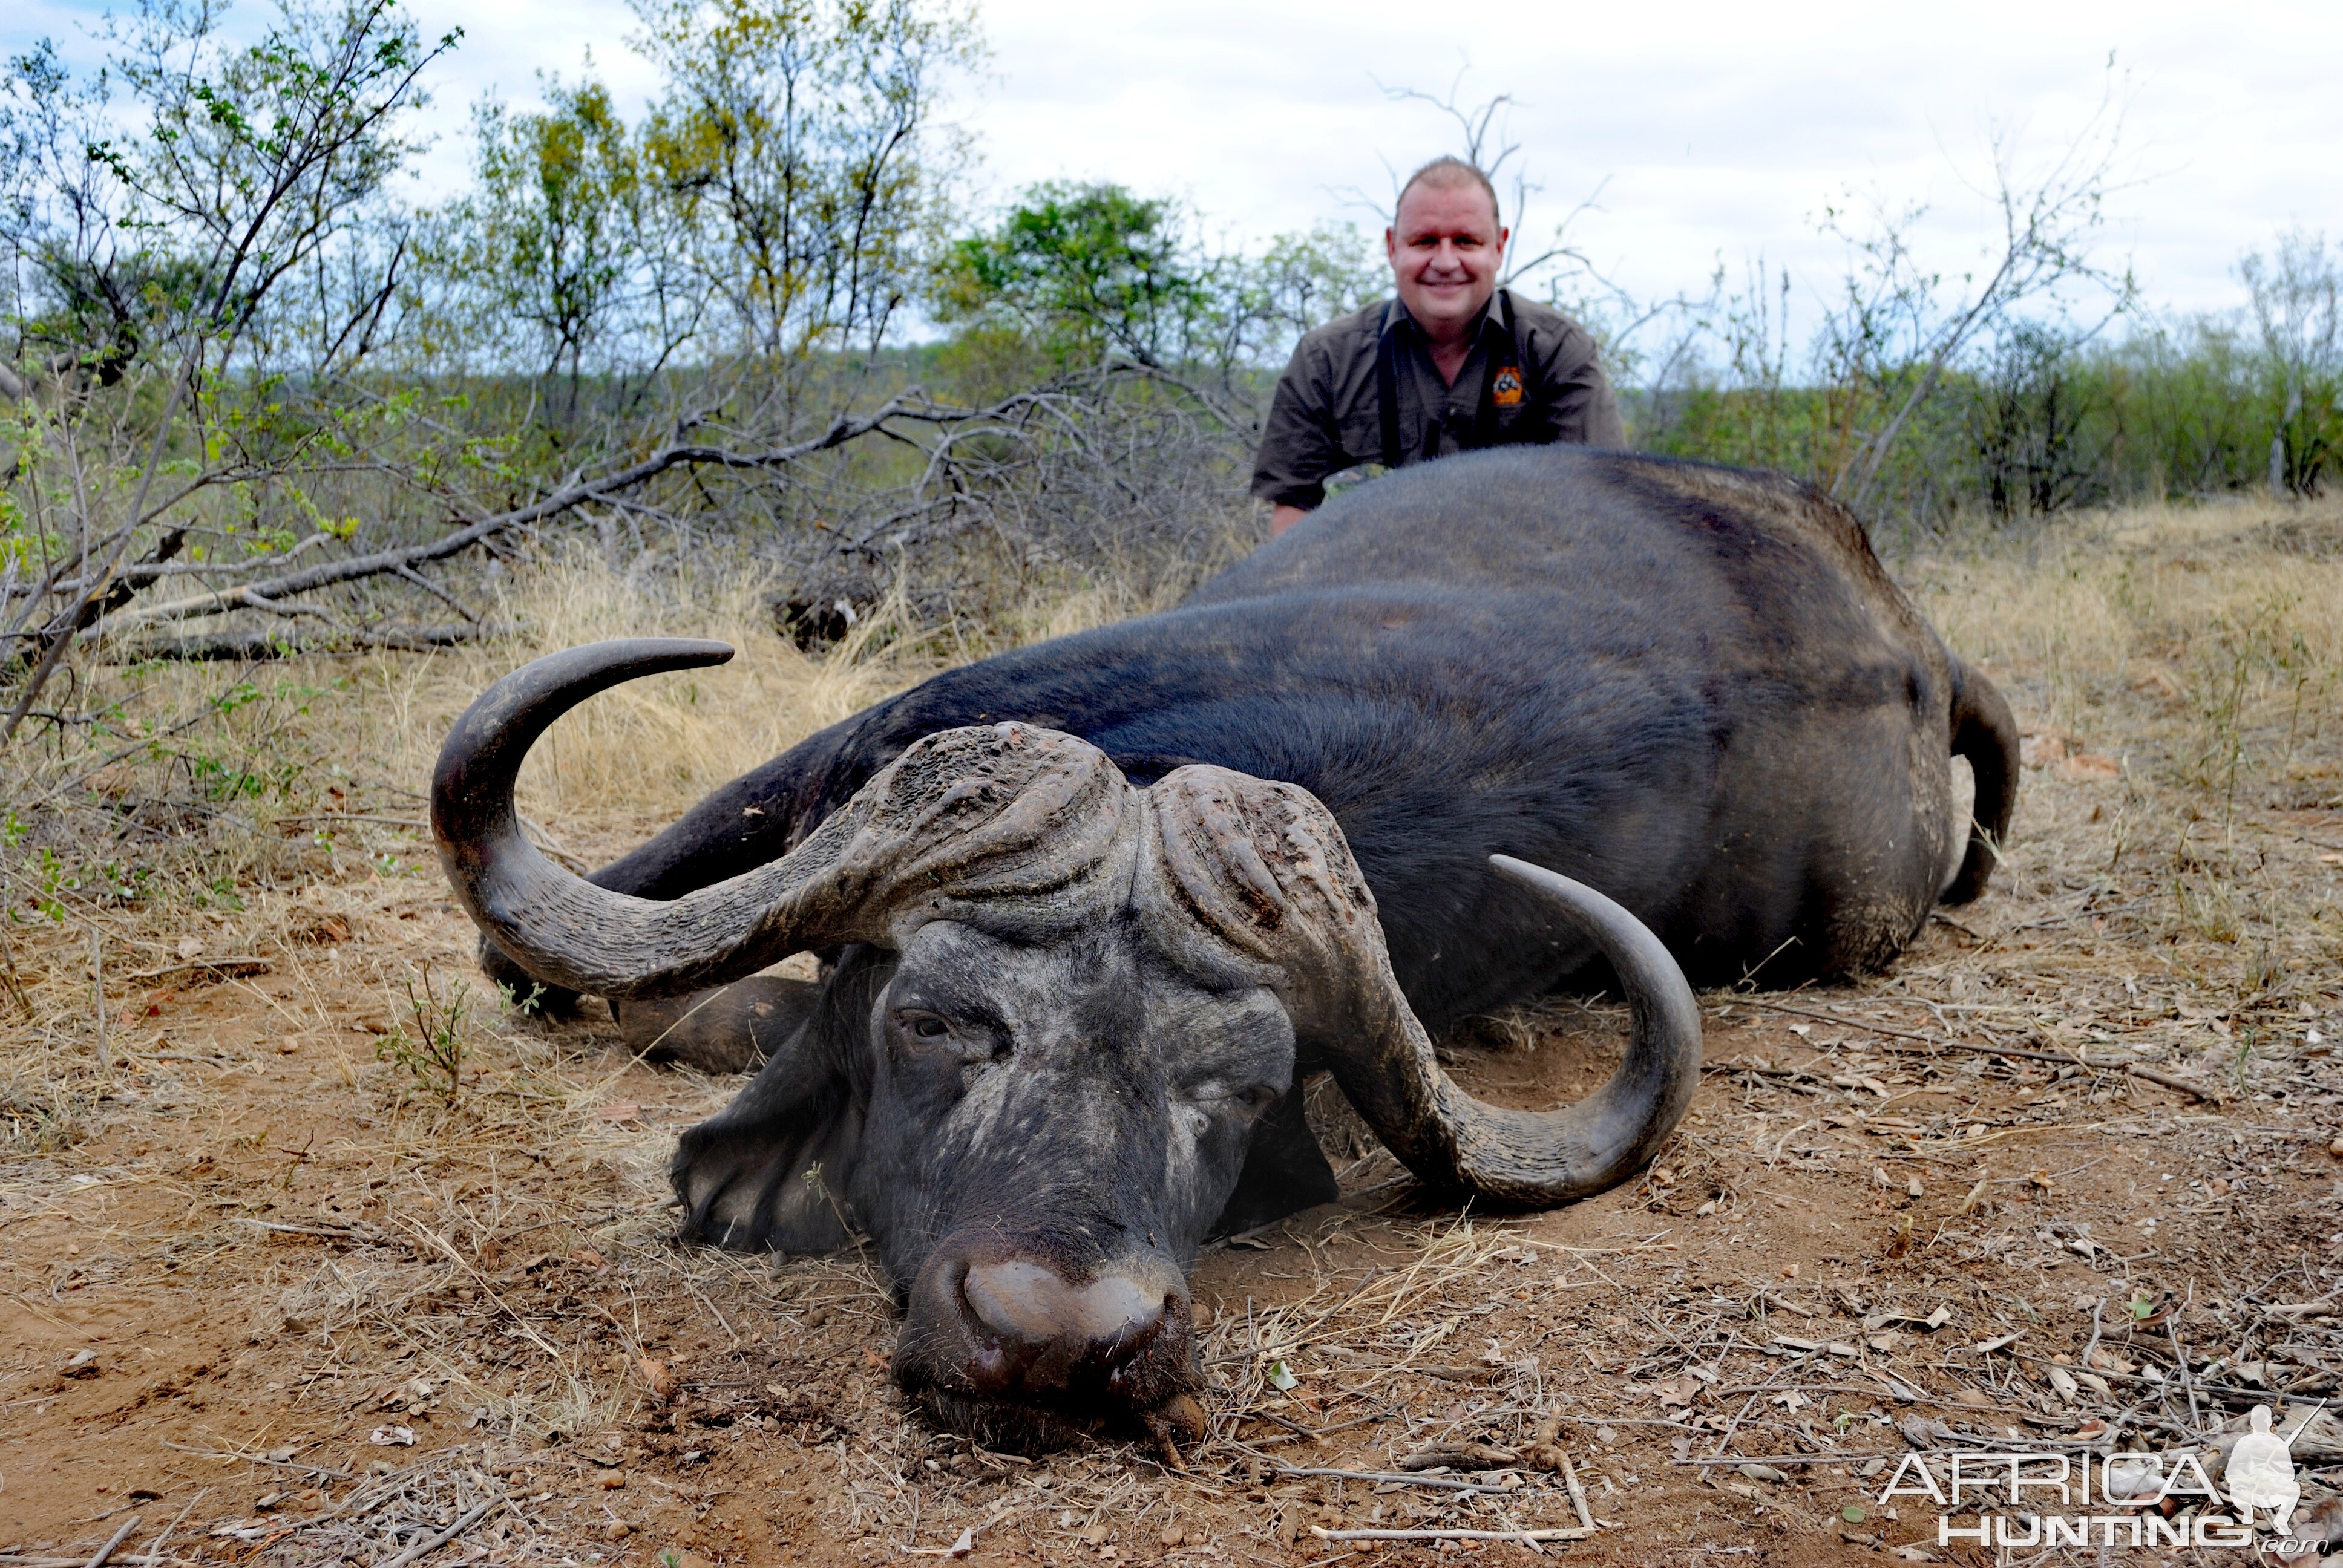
615, 1480
82, 1363
392, 1437
618, 1530
1763, 1472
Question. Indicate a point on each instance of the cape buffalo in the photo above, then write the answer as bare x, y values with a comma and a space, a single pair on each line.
1096, 907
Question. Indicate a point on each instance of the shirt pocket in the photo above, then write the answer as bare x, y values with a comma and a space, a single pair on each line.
1361, 432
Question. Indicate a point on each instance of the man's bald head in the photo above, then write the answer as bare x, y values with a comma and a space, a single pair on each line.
1452, 173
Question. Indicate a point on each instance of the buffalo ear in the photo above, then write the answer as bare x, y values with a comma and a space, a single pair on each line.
1284, 1173
728, 1028
769, 1171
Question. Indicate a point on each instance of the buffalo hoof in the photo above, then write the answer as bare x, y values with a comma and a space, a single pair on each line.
728, 1028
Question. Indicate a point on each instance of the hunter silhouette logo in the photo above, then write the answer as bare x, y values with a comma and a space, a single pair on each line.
2261, 1472
1505, 391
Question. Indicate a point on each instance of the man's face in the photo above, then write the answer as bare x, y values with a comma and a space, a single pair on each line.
1445, 248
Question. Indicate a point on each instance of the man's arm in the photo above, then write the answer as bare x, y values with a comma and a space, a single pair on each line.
1584, 410
1299, 443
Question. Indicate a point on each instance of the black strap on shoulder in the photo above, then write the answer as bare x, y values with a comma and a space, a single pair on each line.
1387, 385
1484, 421
1485, 418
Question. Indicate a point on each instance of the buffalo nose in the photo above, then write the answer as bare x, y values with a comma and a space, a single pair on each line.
1031, 1305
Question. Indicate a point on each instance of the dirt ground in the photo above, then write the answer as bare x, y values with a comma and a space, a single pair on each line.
281, 1302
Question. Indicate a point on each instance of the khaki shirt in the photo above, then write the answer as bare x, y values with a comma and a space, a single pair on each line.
1328, 414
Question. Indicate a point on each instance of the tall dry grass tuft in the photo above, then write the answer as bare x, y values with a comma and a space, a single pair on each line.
2179, 671
2229, 615
213, 807
653, 747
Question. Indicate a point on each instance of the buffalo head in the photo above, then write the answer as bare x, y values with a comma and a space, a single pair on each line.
1063, 1029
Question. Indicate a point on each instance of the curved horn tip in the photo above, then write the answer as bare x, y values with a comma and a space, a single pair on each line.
1610, 921
1534, 875
472, 780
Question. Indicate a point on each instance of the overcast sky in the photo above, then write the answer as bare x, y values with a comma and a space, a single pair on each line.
1712, 130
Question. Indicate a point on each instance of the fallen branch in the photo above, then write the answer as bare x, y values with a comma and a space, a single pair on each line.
261, 643
432, 1544
1577, 1493
2064, 1057
121, 1533
1780, 1459
568, 499
1394, 1477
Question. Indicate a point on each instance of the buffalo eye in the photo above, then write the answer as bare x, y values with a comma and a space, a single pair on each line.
1257, 1099
920, 1028
932, 1033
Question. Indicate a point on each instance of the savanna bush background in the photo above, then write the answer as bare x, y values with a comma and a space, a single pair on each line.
752, 364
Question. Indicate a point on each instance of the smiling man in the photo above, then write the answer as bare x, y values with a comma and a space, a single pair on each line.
1453, 363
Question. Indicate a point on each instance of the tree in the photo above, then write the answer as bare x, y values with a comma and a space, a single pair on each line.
799, 142
238, 173
1096, 273
2027, 421
2295, 297
1898, 325
555, 227
1088, 272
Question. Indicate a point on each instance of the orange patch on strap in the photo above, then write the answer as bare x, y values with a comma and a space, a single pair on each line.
1505, 391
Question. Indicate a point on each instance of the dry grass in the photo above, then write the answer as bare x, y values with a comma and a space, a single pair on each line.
218, 803
277, 1241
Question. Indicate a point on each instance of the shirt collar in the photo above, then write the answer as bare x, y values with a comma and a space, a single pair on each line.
1483, 324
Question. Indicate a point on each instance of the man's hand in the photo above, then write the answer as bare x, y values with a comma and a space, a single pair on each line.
1284, 518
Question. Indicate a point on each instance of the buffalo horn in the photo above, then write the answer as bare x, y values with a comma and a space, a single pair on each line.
1259, 872
1027, 823
1529, 1158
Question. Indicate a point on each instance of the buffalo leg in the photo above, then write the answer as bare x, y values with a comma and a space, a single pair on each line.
730, 1029
1285, 1171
